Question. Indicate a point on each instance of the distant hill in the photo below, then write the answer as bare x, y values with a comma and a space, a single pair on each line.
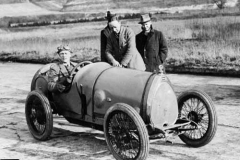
13, 1
22, 8
15, 8
46, 11
51, 5
126, 5
89, 6
59, 2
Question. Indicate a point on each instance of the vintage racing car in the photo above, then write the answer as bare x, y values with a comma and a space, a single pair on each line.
130, 106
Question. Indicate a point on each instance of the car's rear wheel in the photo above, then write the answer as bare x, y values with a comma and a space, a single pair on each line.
38, 114
197, 106
125, 132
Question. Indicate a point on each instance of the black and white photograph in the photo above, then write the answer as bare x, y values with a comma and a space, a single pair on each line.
119, 79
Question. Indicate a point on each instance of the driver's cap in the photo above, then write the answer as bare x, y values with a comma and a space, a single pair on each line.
63, 48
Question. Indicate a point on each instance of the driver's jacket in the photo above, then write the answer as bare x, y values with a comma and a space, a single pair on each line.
57, 76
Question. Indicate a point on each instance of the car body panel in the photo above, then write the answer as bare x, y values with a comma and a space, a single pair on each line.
162, 102
119, 85
85, 80
69, 104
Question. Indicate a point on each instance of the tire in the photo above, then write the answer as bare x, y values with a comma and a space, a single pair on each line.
197, 106
38, 114
125, 133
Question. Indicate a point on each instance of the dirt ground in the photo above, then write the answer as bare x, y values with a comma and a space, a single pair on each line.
70, 141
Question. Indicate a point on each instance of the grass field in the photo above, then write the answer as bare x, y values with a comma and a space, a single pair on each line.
203, 40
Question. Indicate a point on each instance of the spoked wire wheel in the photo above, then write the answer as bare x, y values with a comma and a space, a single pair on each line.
38, 115
197, 107
125, 133
78, 66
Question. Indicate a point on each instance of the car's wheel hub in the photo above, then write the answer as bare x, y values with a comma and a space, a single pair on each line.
193, 116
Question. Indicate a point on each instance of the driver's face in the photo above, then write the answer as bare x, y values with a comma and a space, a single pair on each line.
65, 56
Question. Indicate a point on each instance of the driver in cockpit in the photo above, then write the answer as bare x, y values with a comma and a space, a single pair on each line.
58, 75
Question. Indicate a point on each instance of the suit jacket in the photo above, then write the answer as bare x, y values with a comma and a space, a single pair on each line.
155, 51
124, 49
57, 76
104, 35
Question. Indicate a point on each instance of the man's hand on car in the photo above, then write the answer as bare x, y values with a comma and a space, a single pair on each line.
116, 63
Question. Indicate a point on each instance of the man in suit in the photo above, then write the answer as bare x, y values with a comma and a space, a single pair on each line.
151, 44
58, 75
121, 47
104, 35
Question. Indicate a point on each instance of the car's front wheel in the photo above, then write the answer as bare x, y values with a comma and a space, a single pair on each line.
197, 107
125, 132
38, 114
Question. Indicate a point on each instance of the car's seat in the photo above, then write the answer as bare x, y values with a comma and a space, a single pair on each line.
40, 80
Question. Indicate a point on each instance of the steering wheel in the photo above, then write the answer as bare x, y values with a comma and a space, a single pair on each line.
75, 69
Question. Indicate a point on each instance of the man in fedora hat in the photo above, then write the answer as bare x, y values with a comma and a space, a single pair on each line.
121, 48
104, 35
58, 75
151, 44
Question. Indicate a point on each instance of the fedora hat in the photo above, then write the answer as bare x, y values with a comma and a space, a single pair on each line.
110, 16
144, 18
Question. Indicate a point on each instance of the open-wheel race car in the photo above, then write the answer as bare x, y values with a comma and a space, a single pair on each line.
130, 106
